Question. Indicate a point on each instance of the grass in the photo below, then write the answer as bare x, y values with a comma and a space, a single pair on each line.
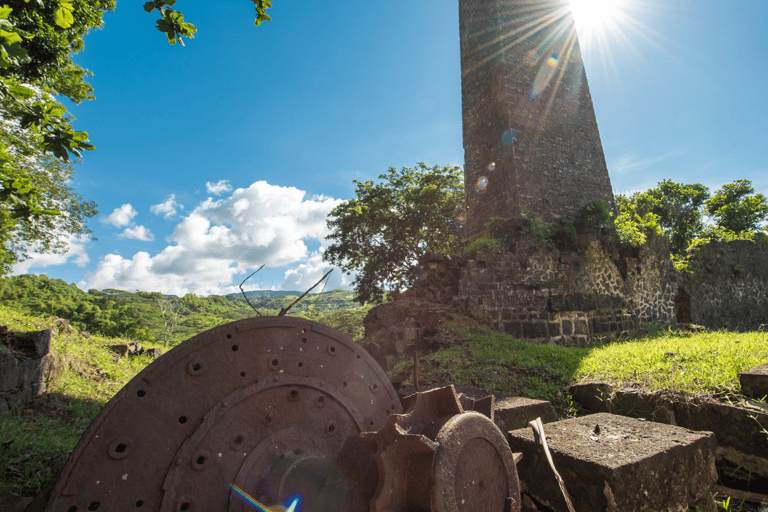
703, 363
37, 436
674, 361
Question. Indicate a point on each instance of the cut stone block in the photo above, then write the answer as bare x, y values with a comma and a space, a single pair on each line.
754, 382
514, 413
614, 464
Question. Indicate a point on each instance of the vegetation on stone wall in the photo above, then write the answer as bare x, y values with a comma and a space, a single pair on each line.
735, 211
594, 217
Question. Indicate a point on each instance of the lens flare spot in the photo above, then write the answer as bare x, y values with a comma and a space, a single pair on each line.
491, 166
293, 507
544, 76
481, 185
509, 137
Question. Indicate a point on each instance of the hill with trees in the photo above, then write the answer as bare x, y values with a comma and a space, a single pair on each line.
167, 319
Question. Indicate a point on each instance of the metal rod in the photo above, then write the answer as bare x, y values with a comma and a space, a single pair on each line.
285, 310
243, 291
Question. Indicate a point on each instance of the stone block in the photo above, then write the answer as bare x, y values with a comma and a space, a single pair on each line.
593, 396
580, 327
10, 374
410, 334
154, 352
754, 382
42, 342
120, 348
514, 413
614, 464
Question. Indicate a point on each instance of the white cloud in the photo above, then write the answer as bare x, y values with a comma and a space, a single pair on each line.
120, 216
218, 188
76, 253
137, 233
167, 208
632, 162
219, 239
307, 274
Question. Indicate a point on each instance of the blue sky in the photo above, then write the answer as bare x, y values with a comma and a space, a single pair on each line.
229, 152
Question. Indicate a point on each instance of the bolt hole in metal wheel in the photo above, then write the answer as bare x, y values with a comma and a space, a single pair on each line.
253, 410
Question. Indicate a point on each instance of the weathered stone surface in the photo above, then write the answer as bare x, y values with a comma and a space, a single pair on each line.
504, 86
614, 463
738, 429
42, 341
727, 286
154, 352
593, 396
120, 348
10, 502
514, 413
754, 382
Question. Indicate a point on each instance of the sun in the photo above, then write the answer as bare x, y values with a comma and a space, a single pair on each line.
595, 16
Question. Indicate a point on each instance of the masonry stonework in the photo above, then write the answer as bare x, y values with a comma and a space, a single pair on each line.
522, 71
544, 296
726, 286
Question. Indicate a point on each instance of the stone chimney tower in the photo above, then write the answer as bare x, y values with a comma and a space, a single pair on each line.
531, 142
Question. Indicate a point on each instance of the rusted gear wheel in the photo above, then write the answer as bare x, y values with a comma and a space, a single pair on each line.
441, 458
264, 404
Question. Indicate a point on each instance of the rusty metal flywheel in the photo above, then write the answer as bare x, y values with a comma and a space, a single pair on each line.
263, 405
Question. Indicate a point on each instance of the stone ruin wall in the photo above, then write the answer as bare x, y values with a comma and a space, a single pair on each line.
23, 379
545, 296
726, 287
567, 298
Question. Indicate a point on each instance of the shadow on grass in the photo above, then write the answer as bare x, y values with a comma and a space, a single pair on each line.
37, 437
506, 366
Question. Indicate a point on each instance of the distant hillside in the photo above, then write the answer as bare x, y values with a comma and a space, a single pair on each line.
145, 316
263, 293
322, 302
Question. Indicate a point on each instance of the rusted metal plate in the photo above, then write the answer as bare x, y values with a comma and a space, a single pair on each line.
219, 410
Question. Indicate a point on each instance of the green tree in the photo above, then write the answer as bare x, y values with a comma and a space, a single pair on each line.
677, 207
736, 207
383, 231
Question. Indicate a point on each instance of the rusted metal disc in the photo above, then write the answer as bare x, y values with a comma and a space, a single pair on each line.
473, 468
259, 403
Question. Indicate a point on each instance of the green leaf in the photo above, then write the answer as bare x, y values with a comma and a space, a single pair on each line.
9, 38
63, 15
4, 12
149, 6
21, 91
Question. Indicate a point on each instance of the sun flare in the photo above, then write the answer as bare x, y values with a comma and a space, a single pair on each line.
595, 15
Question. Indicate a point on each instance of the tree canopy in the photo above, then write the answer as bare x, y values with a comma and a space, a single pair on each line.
679, 211
383, 231
737, 208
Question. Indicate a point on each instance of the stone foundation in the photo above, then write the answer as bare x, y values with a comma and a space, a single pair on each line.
544, 295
